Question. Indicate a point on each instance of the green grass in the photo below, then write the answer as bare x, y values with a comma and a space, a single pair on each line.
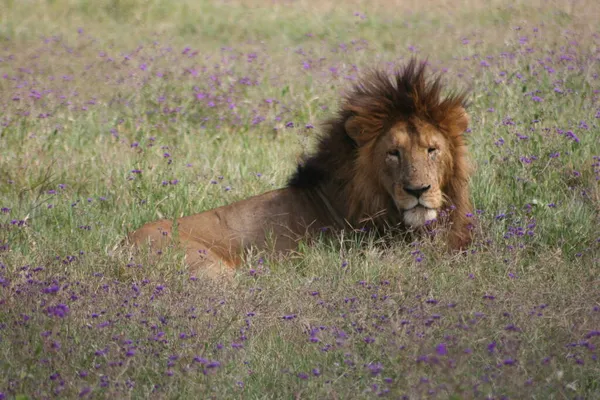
213, 84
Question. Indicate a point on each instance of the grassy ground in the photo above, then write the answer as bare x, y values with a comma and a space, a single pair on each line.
198, 96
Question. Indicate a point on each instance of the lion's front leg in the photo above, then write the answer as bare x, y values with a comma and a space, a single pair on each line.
201, 259
206, 263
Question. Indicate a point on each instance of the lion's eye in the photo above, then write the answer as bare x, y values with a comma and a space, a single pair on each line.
431, 150
394, 153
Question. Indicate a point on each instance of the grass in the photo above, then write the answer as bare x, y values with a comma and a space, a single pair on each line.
197, 96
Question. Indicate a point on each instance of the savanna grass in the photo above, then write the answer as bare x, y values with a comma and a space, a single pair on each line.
115, 113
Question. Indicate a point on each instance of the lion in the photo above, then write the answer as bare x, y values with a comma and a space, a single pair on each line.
393, 158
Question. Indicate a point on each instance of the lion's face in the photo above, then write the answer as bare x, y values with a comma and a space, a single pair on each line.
408, 157
413, 158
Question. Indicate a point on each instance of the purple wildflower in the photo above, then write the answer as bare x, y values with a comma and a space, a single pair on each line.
375, 368
441, 349
572, 136
59, 310
51, 289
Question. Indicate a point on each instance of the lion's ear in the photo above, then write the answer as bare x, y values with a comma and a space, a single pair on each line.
355, 130
457, 121
462, 122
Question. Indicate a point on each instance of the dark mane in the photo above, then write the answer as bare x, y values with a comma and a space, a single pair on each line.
381, 100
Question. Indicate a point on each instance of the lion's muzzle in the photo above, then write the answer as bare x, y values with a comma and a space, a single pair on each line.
416, 204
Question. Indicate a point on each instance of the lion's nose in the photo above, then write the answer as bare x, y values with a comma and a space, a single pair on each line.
416, 191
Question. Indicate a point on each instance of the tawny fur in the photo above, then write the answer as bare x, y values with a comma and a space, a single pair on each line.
393, 158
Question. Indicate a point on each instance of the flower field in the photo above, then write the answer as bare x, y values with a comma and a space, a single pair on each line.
114, 113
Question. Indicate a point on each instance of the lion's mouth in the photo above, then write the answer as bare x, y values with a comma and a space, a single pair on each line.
420, 206
417, 206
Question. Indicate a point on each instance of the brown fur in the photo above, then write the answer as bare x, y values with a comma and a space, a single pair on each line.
393, 158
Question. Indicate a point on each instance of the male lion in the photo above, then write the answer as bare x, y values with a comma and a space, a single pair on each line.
392, 158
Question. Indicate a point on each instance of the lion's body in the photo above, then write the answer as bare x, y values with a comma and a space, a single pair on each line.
215, 240
393, 158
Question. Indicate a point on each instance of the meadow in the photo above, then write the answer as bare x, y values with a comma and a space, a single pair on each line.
114, 113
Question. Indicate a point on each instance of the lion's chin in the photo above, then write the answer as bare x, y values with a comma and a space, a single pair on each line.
418, 216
